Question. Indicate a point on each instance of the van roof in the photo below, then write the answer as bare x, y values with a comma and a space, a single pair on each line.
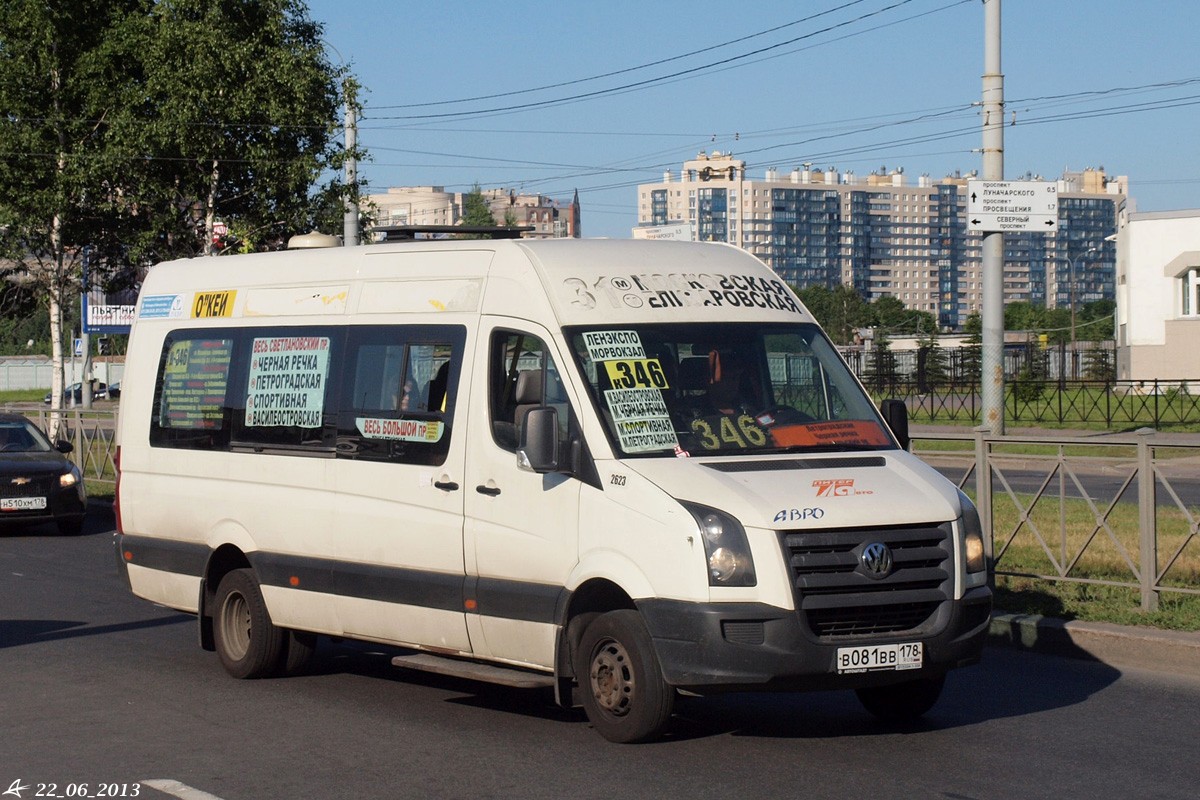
585, 281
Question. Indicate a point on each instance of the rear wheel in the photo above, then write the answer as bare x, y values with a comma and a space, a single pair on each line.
902, 702
248, 643
301, 648
620, 681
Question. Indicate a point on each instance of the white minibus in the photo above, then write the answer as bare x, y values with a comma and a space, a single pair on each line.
621, 469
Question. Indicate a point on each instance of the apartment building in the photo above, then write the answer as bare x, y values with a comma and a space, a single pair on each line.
887, 235
433, 205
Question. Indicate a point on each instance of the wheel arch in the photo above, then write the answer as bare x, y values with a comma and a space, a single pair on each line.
221, 562
589, 600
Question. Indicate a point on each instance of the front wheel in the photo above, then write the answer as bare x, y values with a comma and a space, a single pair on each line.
622, 686
248, 643
902, 702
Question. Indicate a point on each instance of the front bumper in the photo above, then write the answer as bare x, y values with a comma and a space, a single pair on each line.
69, 503
752, 646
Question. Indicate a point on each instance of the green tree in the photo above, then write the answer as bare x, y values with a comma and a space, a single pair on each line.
54, 72
1098, 363
971, 354
840, 311
1095, 321
476, 212
931, 364
889, 312
131, 126
882, 372
238, 105
1021, 315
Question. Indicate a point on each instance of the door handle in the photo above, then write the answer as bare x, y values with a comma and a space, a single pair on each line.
446, 486
490, 491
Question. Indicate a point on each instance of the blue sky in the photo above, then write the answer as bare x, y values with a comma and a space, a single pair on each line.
851, 84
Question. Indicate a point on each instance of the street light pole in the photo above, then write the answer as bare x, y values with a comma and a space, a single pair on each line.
992, 246
1071, 288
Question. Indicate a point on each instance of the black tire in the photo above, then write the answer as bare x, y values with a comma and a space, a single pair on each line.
902, 702
620, 681
248, 643
300, 647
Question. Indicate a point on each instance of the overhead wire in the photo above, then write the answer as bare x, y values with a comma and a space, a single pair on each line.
649, 81
626, 70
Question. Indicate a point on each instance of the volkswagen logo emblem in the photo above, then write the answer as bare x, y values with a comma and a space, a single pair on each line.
877, 560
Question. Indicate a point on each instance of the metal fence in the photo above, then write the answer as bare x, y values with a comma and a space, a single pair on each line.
1114, 404
1121, 512
1062, 361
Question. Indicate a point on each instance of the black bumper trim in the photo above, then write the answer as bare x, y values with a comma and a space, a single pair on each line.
696, 653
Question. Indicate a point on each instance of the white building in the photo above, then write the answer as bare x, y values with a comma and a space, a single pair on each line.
1158, 296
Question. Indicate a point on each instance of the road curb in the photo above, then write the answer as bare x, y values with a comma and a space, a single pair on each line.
1177, 652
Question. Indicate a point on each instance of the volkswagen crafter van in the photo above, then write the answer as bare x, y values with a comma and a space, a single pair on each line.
621, 469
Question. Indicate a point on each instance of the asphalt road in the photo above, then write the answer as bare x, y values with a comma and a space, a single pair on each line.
104, 689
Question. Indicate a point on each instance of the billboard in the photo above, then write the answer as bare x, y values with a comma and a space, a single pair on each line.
109, 296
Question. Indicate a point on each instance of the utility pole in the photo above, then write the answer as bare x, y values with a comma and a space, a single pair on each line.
350, 220
992, 379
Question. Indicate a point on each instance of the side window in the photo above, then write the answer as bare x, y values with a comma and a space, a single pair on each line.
191, 394
286, 401
522, 376
398, 400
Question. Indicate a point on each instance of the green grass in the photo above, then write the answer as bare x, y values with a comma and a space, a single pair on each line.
22, 395
1077, 601
1074, 544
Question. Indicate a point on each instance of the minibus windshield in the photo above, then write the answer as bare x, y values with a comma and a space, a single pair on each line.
724, 389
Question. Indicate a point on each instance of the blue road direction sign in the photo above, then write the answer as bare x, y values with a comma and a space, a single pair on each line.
1012, 206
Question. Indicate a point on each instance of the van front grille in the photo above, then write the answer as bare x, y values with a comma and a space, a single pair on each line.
839, 596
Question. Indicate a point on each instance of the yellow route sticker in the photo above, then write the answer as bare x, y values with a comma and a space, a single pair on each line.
214, 304
642, 373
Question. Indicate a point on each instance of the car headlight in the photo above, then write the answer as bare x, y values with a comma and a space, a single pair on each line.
972, 531
69, 478
725, 545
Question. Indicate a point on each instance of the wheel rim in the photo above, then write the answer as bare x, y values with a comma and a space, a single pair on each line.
612, 678
235, 626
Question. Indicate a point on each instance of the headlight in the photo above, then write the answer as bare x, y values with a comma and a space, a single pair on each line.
972, 535
725, 545
68, 479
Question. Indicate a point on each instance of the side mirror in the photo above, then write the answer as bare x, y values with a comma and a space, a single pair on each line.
538, 449
63, 446
895, 414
